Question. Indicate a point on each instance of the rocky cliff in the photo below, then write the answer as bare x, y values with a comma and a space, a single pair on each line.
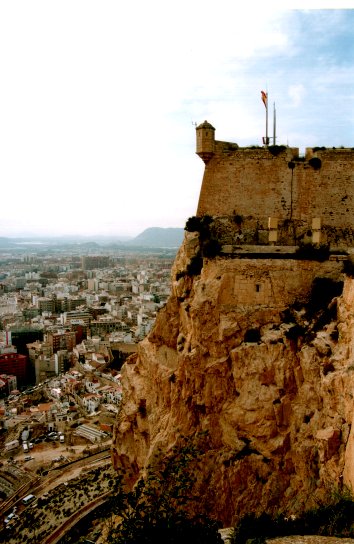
255, 355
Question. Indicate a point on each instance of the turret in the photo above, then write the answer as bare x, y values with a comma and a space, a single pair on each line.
205, 141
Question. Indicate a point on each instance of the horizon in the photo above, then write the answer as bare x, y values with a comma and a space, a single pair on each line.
123, 237
99, 103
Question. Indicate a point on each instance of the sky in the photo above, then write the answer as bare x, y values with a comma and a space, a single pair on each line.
99, 100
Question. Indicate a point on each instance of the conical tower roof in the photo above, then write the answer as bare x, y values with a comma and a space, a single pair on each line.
205, 125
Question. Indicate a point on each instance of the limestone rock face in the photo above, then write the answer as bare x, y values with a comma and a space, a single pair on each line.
239, 353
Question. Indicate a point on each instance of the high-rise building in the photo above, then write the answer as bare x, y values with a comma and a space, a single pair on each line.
90, 262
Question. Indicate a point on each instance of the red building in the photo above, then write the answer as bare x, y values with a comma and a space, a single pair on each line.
14, 363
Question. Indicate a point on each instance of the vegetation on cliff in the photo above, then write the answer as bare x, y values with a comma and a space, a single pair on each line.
210, 245
259, 352
238, 230
335, 518
158, 508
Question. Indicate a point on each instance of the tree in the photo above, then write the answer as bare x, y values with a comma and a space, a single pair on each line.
158, 508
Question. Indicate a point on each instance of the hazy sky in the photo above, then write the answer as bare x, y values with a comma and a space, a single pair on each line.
98, 101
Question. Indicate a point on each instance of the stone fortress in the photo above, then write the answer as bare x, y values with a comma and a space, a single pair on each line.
275, 196
254, 350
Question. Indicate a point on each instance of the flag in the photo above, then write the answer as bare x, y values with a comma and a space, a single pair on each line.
264, 98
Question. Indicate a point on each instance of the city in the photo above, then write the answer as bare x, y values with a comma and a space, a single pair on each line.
69, 318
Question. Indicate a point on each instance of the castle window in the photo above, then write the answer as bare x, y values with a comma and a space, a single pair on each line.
258, 287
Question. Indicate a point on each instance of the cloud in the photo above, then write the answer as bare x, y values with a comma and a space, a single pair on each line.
98, 100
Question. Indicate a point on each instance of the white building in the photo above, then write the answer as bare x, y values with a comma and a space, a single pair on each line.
110, 394
91, 402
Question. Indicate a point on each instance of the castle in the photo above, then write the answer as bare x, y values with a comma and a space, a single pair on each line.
251, 358
277, 197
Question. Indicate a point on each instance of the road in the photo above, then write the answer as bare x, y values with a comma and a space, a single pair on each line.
62, 500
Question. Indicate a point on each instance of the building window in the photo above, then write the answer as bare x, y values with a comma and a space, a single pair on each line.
258, 287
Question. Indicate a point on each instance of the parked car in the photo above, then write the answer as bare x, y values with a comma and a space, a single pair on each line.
10, 518
28, 499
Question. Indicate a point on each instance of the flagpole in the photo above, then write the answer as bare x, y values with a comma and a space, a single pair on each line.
274, 124
267, 119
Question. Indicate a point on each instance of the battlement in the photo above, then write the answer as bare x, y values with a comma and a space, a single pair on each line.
311, 196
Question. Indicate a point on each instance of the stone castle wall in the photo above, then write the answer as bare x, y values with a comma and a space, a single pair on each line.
275, 182
274, 283
249, 284
274, 408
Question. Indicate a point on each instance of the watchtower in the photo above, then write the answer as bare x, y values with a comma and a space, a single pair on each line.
205, 141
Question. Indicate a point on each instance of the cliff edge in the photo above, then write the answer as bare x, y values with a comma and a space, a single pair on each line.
251, 358
255, 356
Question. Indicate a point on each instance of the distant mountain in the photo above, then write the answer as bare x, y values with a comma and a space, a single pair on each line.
153, 238
50, 242
159, 237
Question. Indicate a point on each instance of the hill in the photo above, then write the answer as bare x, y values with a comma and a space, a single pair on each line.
159, 237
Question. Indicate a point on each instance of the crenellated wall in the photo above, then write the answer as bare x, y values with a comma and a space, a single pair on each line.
258, 183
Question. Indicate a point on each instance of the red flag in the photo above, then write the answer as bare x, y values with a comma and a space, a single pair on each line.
264, 98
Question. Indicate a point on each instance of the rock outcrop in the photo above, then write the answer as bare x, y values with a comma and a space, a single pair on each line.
257, 355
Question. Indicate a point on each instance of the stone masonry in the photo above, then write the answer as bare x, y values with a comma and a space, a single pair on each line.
275, 184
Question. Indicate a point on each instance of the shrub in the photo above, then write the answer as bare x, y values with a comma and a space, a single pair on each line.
287, 316
198, 224
156, 510
348, 267
195, 266
323, 290
252, 528
276, 149
316, 163
193, 224
295, 332
211, 248
333, 519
